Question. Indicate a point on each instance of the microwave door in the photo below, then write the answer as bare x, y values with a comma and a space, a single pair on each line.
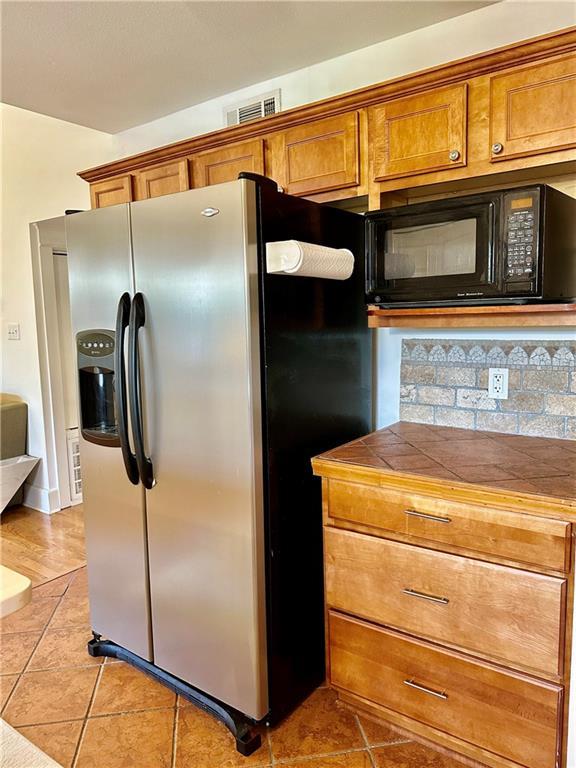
445, 257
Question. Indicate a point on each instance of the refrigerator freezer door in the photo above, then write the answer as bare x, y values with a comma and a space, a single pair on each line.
100, 266
195, 262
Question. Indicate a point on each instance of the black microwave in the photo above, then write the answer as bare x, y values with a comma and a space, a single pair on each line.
509, 246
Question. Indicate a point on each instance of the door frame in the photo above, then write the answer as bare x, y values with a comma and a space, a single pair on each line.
47, 238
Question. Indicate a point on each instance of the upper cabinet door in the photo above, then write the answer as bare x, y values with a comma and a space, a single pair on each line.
111, 192
162, 180
418, 134
322, 155
533, 109
220, 165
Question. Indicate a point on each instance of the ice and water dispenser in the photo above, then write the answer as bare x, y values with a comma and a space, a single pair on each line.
95, 350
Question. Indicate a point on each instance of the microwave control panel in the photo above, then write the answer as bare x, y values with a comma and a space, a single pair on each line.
520, 235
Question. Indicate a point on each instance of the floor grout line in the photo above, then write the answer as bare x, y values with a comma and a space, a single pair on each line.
270, 750
363, 734
61, 669
175, 734
124, 712
317, 756
83, 729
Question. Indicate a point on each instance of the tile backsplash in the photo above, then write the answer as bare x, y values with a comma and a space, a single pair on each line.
445, 382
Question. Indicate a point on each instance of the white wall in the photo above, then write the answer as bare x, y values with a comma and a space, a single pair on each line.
478, 31
40, 159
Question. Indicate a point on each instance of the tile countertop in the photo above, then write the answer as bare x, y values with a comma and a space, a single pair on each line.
538, 466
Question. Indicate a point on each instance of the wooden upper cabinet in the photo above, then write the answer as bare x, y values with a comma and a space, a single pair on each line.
320, 156
533, 109
418, 134
111, 192
224, 164
162, 180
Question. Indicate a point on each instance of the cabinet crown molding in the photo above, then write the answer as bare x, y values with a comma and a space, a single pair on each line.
516, 54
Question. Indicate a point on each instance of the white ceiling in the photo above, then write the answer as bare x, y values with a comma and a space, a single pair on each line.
113, 65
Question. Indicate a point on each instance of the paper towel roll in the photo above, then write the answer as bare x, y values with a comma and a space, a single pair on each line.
291, 257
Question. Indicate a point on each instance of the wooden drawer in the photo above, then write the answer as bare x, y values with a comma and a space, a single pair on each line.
492, 610
524, 538
508, 714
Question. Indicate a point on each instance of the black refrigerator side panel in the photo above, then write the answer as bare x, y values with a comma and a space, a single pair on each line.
317, 382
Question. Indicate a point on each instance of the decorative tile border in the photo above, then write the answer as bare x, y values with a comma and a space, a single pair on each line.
541, 354
445, 382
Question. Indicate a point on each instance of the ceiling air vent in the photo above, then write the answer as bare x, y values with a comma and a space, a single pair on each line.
253, 109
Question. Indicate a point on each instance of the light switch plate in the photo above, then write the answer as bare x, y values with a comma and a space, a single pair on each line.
14, 331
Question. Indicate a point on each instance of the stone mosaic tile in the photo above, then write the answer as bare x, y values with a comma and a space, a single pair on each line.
445, 382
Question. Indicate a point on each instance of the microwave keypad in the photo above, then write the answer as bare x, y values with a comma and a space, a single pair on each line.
520, 245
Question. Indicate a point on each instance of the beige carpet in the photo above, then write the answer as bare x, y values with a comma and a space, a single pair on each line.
18, 752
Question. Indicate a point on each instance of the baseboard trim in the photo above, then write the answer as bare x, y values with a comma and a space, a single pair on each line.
45, 500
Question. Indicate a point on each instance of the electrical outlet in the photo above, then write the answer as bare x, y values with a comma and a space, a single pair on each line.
498, 383
14, 331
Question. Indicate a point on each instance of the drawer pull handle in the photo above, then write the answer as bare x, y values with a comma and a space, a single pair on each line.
424, 689
424, 596
434, 518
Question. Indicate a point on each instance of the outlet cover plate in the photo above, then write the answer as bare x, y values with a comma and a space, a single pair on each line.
498, 383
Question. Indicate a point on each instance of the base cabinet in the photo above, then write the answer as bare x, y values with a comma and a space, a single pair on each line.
449, 605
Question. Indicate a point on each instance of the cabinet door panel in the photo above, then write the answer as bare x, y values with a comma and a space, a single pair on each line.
533, 110
221, 165
421, 133
162, 180
322, 155
111, 192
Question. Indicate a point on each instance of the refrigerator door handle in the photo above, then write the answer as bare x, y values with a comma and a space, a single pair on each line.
122, 320
137, 321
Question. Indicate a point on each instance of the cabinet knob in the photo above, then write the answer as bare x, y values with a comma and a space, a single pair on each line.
497, 148
454, 155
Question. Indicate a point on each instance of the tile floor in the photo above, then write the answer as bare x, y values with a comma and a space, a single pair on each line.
91, 713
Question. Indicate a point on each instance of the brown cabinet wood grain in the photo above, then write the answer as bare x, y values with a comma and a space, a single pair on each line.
321, 155
224, 164
533, 109
527, 539
421, 133
111, 192
162, 180
502, 613
508, 714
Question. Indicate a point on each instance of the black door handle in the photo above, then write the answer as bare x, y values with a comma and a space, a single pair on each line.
122, 319
137, 320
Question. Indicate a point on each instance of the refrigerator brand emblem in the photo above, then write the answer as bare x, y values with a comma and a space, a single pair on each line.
210, 212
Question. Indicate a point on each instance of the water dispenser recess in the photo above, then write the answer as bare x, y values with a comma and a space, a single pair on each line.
95, 350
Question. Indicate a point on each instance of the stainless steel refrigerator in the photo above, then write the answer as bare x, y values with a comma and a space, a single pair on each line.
205, 387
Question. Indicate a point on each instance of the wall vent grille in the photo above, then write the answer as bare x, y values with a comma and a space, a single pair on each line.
253, 109
74, 469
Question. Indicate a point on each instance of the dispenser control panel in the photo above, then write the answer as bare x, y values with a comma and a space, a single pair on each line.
95, 344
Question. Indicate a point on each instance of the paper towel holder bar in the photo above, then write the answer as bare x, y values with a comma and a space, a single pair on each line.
300, 259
